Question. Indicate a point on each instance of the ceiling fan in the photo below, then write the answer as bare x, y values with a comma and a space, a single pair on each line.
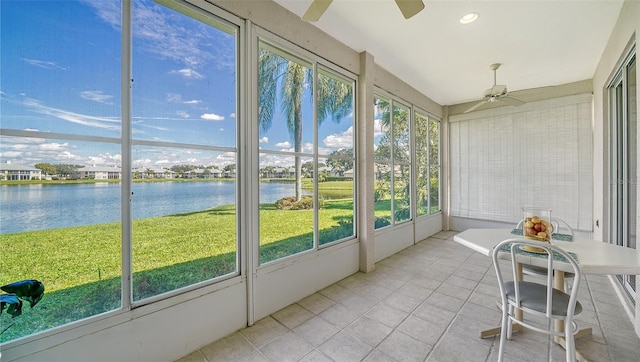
408, 8
497, 93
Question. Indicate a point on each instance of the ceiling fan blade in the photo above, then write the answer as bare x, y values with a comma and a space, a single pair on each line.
473, 108
512, 101
315, 10
410, 8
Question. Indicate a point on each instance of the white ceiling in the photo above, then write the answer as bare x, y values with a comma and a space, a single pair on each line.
539, 42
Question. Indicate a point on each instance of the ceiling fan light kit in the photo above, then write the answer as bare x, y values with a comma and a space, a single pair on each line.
408, 8
497, 93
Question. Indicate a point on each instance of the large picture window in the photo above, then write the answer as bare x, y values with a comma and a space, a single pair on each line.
427, 157
306, 155
60, 159
392, 170
184, 154
63, 152
396, 160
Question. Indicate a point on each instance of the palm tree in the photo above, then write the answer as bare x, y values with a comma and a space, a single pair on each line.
334, 98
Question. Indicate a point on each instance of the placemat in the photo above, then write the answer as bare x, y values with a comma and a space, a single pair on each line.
554, 236
556, 256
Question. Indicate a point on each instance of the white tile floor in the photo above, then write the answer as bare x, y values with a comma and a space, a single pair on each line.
425, 303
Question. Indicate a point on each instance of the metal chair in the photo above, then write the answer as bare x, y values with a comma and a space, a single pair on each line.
559, 226
536, 298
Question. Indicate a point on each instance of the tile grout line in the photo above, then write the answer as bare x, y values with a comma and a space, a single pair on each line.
446, 330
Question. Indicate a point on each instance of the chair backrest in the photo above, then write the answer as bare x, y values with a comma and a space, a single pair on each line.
513, 250
561, 226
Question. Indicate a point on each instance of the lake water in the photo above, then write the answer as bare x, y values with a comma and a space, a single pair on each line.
39, 207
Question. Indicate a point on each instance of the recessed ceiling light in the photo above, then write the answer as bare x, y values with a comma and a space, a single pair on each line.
469, 18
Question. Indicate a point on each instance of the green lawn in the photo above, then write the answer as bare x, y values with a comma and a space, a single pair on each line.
81, 266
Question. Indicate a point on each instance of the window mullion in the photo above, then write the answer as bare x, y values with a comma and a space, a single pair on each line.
126, 215
316, 221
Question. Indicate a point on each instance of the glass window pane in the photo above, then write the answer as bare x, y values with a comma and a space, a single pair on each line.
285, 103
61, 66
286, 222
422, 189
335, 114
401, 149
290, 143
184, 227
422, 164
434, 142
382, 194
381, 134
434, 168
340, 163
434, 189
64, 79
401, 193
335, 198
184, 199
184, 78
61, 226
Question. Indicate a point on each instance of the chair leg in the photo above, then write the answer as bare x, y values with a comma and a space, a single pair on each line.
506, 322
550, 328
569, 341
510, 322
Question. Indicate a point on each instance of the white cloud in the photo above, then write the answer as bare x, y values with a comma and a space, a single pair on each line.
285, 144
221, 129
183, 114
105, 159
11, 154
378, 128
54, 146
44, 64
307, 147
340, 140
112, 124
5, 141
212, 117
226, 158
141, 162
276, 160
31, 151
188, 73
96, 96
173, 97
264, 139
232, 115
109, 11
177, 98
171, 39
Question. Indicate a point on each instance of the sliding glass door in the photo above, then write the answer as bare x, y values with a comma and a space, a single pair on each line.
623, 166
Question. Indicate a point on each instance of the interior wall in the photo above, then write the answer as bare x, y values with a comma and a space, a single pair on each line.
397, 87
535, 155
627, 30
162, 331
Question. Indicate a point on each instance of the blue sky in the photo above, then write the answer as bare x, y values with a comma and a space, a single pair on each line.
60, 72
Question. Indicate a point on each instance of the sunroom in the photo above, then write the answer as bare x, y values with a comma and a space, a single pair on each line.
337, 158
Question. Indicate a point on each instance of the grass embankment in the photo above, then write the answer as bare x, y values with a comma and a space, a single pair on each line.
81, 266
